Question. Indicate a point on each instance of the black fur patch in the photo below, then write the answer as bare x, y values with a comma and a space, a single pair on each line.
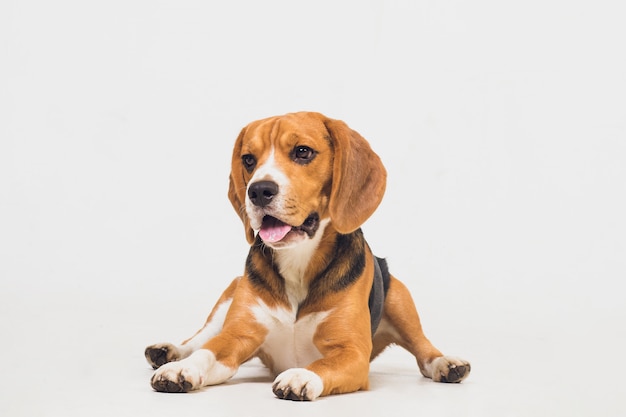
378, 293
261, 272
384, 269
345, 267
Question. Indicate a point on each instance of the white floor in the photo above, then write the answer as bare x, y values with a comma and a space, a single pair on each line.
83, 356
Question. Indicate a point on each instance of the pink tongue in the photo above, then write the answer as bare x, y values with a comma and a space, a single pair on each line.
273, 230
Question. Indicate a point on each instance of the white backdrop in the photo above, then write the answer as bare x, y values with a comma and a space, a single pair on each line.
502, 125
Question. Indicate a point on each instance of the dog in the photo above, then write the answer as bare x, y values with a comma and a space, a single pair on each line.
314, 304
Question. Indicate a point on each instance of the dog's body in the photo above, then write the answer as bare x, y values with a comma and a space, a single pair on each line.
314, 304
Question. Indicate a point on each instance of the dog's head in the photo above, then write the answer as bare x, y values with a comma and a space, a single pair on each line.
291, 173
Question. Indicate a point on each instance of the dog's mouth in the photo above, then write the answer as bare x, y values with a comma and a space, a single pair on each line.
274, 230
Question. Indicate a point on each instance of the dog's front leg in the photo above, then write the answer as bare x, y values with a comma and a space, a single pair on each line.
195, 371
161, 353
219, 358
345, 344
214, 363
342, 372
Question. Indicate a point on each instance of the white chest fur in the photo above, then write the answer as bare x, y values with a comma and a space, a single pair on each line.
293, 262
289, 342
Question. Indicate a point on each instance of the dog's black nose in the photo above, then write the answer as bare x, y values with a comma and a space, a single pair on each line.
261, 193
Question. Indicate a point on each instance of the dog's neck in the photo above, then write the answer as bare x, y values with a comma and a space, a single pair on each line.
329, 262
293, 264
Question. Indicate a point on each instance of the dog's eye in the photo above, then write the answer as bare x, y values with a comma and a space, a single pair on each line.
303, 154
249, 162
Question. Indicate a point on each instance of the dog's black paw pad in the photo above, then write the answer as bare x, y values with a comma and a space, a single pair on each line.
288, 394
448, 369
160, 354
456, 373
161, 384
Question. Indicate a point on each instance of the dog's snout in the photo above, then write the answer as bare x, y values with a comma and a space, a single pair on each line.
261, 193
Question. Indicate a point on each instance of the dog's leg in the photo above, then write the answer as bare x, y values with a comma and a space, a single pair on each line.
237, 340
195, 371
161, 353
344, 342
401, 325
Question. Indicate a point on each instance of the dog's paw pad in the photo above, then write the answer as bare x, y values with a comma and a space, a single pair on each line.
450, 369
176, 377
160, 354
298, 384
161, 383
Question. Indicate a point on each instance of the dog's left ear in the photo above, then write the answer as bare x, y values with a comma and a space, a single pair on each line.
359, 178
237, 187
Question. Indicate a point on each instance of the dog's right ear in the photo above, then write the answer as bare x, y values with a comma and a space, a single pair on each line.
237, 187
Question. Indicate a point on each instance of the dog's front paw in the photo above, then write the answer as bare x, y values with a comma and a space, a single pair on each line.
298, 384
449, 369
176, 377
161, 353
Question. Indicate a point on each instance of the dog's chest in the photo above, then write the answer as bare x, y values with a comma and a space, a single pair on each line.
289, 342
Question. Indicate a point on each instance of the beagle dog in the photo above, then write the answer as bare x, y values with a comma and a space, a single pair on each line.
314, 304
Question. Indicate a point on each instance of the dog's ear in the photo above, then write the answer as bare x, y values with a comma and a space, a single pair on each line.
237, 187
359, 178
